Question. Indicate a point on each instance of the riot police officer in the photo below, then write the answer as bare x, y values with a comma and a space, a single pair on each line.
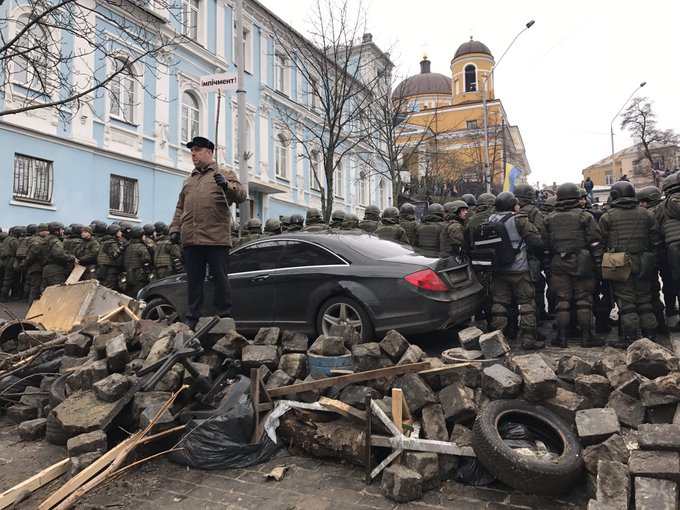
371, 219
87, 252
429, 230
57, 264
110, 257
407, 220
136, 262
389, 227
452, 236
314, 222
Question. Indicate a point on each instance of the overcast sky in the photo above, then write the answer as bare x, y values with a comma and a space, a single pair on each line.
563, 80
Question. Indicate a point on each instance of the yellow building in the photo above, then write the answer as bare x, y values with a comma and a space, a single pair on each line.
441, 138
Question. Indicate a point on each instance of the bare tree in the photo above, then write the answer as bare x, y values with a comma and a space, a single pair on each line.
61, 54
342, 71
640, 121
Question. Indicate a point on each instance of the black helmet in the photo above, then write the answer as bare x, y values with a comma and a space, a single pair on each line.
455, 206
149, 229
254, 224
32, 228
486, 199
125, 226
54, 227
272, 225
166, 230
621, 189
338, 215
469, 199
436, 210
312, 213
136, 232
76, 229
98, 226
505, 201
67, 231
159, 226
112, 229
407, 209
525, 191
650, 194
372, 212
19, 231
297, 219
568, 191
390, 212
670, 184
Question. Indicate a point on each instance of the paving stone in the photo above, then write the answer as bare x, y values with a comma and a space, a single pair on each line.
469, 338
278, 379
625, 380
172, 380
613, 448
426, 464
461, 435
164, 421
594, 388
355, 395
540, 382
35, 397
231, 345
350, 336
401, 484
82, 412
609, 360
255, 355
311, 395
293, 342
499, 382
394, 345
570, 367
95, 441
111, 330
77, 345
366, 356
112, 388
161, 348
651, 359
655, 494
458, 404
416, 392
149, 333
596, 425
434, 424
145, 399
659, 437
326, 345
294, 365
203, 371
613, 484
412, 355
117, 354
80, 462
655, 464
32, 429
629, 410
267, 336
87, 374
664, 389
564, 404
493, 344
69, 362
458, 354
467, 375
19, 413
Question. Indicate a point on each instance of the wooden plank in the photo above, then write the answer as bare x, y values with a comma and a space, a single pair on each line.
130, 313
345, 410
111, 314
348, 379
446, 369
75, 275
397, 408
33, 483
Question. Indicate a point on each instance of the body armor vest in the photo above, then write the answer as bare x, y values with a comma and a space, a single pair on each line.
628, 230
567, 233
521, 263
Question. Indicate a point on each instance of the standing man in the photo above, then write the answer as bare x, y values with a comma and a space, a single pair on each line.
87, 252
202, 223
57, 264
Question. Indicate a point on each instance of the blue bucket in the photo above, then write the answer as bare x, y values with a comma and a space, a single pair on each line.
324, 364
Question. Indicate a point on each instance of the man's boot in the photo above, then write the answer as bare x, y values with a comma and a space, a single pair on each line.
650, 334
529, 341
588, 339
561, 339
621, 342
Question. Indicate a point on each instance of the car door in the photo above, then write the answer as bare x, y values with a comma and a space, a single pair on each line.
252, 277
305, 269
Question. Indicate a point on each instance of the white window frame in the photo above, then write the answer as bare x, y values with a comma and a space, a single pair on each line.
363, 186
314, 100
189, 19
339, 179
33, 179
127, 206
247, 42
25, 77
315, 165
281, 157
123, 94
190, 125
281, 72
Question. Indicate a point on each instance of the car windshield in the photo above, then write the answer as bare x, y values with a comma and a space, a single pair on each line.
376, 248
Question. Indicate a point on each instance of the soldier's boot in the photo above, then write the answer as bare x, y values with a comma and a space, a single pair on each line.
622, 342
649, 333
588, 339
602, 325
529, 341
661, 327
561, 339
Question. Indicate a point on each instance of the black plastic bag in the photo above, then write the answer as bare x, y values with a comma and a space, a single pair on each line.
471, 472
516, 435
222, 441
47, 362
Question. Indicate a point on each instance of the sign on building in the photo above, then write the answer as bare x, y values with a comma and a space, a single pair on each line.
221, 81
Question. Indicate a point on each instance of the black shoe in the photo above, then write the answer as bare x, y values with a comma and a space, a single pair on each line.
546, 316
561, 339
191, 323
671, 311
621, 343
602, 327
649, 334
588, 340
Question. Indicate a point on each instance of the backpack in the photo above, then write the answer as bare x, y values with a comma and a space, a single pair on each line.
491, 245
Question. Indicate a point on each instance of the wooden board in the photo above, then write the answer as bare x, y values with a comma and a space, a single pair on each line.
75, 275
350, 378
33, 483
343, 409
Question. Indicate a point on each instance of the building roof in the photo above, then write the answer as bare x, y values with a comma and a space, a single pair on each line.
425, 83
471, 47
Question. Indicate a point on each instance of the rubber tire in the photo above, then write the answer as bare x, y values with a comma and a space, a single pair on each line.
58, 391
356, 310
528, 474
153, 305
54, 434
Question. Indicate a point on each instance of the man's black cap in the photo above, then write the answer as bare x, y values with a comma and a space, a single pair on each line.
199, 141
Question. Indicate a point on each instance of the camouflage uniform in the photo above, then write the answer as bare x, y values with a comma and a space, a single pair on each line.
137, 265
57, 264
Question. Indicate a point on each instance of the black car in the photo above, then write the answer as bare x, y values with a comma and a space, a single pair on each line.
307, 282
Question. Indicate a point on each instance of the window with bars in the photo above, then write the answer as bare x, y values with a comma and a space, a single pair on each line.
33, 179
190, 19
123, 196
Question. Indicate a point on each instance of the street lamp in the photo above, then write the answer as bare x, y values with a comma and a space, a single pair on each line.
487, 173
611, 124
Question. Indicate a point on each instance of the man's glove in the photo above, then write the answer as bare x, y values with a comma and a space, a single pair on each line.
221, 181
175, 238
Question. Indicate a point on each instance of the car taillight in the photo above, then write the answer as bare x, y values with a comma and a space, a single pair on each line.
426, 279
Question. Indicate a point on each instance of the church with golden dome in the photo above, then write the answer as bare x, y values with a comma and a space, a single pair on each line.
441, 129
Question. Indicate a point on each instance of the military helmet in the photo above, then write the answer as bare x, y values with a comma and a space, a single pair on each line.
166, 230
19, 231
649, 194
43, 227
486, 199
136, 232
54, 227
159, 226
670, 184
372, 209
436, 209
390, 212
112, 229
86, 228
582, 193
351, 217
407, 208
67, 231
125, 225
76, 229
505, 201
272, 224
469, 199
622, 189
32, 228
313, 213
525, 190
551, 201
254, 224
297, 219
98, 226
455, 206
338, 215
149, 229
285, 220
568, 191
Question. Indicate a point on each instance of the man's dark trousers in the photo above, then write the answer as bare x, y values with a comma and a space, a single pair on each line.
195, 260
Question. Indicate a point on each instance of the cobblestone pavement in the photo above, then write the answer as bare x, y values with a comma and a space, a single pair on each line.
309, 484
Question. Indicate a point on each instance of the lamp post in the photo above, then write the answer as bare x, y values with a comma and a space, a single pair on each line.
611, 124
487, 170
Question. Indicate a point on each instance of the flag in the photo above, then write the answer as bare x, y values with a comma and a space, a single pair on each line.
511, 174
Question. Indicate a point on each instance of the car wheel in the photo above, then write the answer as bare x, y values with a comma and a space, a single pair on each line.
524, 469
344, 311
159, 309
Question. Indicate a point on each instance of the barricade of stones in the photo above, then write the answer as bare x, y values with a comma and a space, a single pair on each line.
604, 401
